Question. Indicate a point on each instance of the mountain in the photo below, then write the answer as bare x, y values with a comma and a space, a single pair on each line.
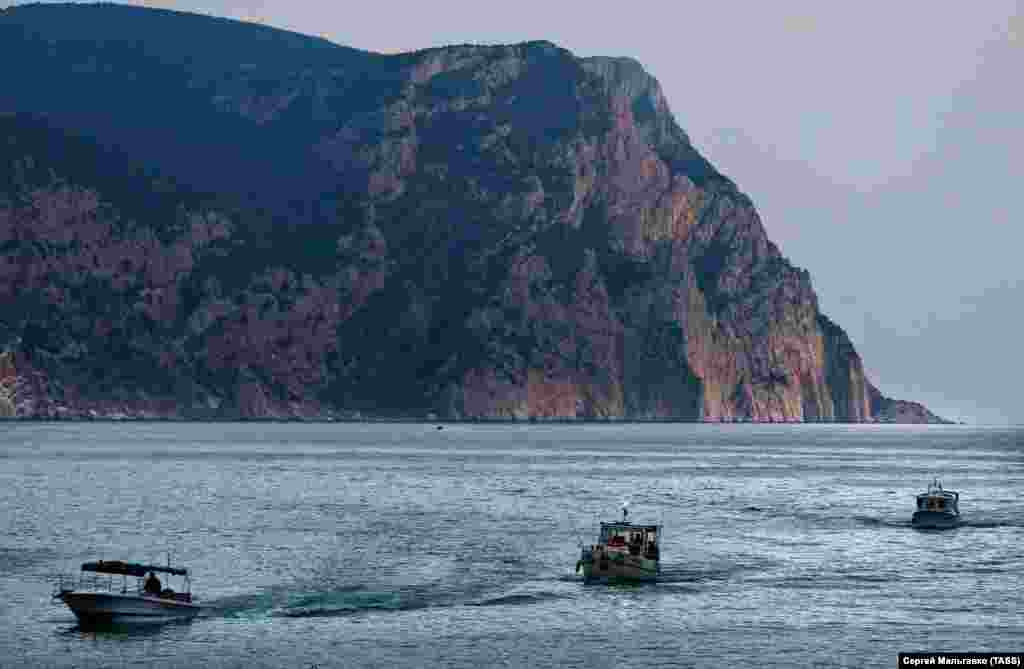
206, 218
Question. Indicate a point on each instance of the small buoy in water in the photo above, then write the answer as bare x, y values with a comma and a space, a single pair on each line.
440, 427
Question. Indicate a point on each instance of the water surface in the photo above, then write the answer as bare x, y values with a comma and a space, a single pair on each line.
374, 545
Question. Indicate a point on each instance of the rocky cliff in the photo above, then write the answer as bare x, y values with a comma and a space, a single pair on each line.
205, 218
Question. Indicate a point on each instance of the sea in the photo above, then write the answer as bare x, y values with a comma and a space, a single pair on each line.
455, 545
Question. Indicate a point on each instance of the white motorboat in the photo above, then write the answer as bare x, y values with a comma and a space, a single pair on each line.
96, 595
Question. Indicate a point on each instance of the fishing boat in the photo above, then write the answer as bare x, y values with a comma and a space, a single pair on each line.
937, 509
624, 552
97, 595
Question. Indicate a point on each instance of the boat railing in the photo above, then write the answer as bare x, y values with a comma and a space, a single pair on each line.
94, 582
112, 583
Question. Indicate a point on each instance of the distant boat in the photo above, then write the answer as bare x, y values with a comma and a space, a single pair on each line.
937, 509
623, 552
94, 599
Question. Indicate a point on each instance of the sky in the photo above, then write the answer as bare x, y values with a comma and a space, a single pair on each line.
881, 142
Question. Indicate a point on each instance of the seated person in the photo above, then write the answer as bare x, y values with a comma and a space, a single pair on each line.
152, 586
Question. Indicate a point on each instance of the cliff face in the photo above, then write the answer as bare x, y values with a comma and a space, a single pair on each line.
287, 227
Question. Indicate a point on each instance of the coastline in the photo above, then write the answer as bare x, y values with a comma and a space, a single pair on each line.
438, 421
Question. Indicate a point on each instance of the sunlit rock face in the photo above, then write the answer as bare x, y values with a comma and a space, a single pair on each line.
239, 221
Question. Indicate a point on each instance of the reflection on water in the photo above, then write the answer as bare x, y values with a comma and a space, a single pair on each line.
119, 630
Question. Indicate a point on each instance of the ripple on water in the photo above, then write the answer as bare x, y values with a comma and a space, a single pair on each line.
392, 545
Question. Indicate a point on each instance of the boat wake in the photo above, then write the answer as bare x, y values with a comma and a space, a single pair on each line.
281, 602
836, 522
346, 603
990, 524
517, 599
869, 521
275, 603
680, 574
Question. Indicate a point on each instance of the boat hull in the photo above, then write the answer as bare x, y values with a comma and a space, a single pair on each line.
120, 608
618, 568
935, 520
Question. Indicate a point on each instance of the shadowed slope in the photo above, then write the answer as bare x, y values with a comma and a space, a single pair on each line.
502, 231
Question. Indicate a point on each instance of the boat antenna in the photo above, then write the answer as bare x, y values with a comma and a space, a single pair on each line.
576, 531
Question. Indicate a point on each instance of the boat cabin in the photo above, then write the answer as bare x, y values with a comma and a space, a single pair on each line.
937, 499
637, 539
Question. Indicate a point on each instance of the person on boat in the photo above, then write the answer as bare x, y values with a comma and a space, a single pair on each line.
152, 586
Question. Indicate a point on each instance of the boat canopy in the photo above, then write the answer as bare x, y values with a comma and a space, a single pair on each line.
130, 568
630, 527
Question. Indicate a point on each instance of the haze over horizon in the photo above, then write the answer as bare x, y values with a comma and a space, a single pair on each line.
880, 144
